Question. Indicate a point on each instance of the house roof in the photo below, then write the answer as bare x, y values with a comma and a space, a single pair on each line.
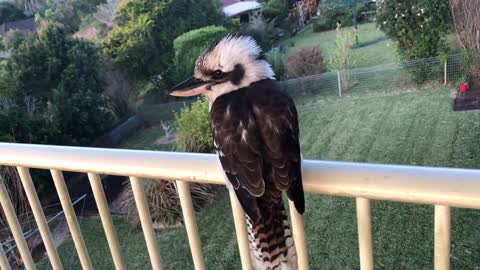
239, 7
228, 2
26, 25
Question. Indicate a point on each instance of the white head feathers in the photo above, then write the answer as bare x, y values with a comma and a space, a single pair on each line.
237, 56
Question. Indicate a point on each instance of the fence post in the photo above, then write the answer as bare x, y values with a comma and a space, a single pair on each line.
339, 84
445, 71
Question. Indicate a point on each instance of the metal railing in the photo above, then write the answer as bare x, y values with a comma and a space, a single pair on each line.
441, 187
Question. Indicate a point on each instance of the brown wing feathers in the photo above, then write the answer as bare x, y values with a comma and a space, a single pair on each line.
255, 131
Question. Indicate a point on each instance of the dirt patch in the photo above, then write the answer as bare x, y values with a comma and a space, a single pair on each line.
470, 100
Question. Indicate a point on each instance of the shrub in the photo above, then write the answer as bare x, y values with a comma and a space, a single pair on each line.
342, 57
275, 9
13, 39
190, 45
9, 12
322, 26
193, 128
274, 57
304, 62
163, 201
333, 12
418, 26
142, 40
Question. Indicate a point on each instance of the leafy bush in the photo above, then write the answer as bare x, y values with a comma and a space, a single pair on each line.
418, 26
62, 94
274, 57
142, 40
275, 9
190, 45
193, 128
9, 12
68, 13
342, 58
13, 39
304, 62
339, 11
321, 26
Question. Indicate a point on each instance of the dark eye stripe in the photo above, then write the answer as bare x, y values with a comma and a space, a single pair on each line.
235, 76
217, 75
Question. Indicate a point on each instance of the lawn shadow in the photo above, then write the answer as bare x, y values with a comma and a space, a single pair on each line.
369, 43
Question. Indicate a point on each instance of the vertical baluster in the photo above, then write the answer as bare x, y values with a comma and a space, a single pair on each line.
15, 228
298, 231
442, 237
71, 218
146, 221
364, 234
107, 222
191, 224
39, 217
4, 265
241, 230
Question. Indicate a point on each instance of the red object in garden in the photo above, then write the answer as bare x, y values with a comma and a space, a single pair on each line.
463, 87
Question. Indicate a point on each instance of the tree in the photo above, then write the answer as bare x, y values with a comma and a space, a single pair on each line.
69, 13
418, 26
142, 40
9, 12
53, 82
466, 21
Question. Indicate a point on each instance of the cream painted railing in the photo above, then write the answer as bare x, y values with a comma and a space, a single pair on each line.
443, 188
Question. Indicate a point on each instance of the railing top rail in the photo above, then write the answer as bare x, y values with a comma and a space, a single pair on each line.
445, 186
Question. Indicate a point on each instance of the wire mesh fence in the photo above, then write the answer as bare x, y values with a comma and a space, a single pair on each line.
413, 75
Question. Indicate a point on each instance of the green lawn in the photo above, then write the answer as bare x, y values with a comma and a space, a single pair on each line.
147, 139
401, 128
374, 46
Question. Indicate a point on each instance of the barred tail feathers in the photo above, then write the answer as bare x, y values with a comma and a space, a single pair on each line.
271, 242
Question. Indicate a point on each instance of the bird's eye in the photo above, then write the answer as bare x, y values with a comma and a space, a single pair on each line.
217, 74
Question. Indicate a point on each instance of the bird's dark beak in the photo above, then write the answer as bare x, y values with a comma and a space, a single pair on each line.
190, 87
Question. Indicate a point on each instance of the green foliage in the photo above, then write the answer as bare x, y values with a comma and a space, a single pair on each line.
193, 128
340, 11
53, 81
342, 58
142, 40
418, 26
9, 12
321, 26
69, 13
275, 9
190, 45
275, 58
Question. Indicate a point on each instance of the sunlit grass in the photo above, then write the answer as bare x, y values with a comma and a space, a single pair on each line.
374, 46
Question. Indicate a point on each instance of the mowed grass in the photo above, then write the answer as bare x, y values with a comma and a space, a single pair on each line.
147, 138
374, 48
400, 128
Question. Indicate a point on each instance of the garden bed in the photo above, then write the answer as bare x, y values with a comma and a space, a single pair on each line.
469, 100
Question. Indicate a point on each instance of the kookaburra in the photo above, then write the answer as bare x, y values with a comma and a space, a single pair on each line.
255, 132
